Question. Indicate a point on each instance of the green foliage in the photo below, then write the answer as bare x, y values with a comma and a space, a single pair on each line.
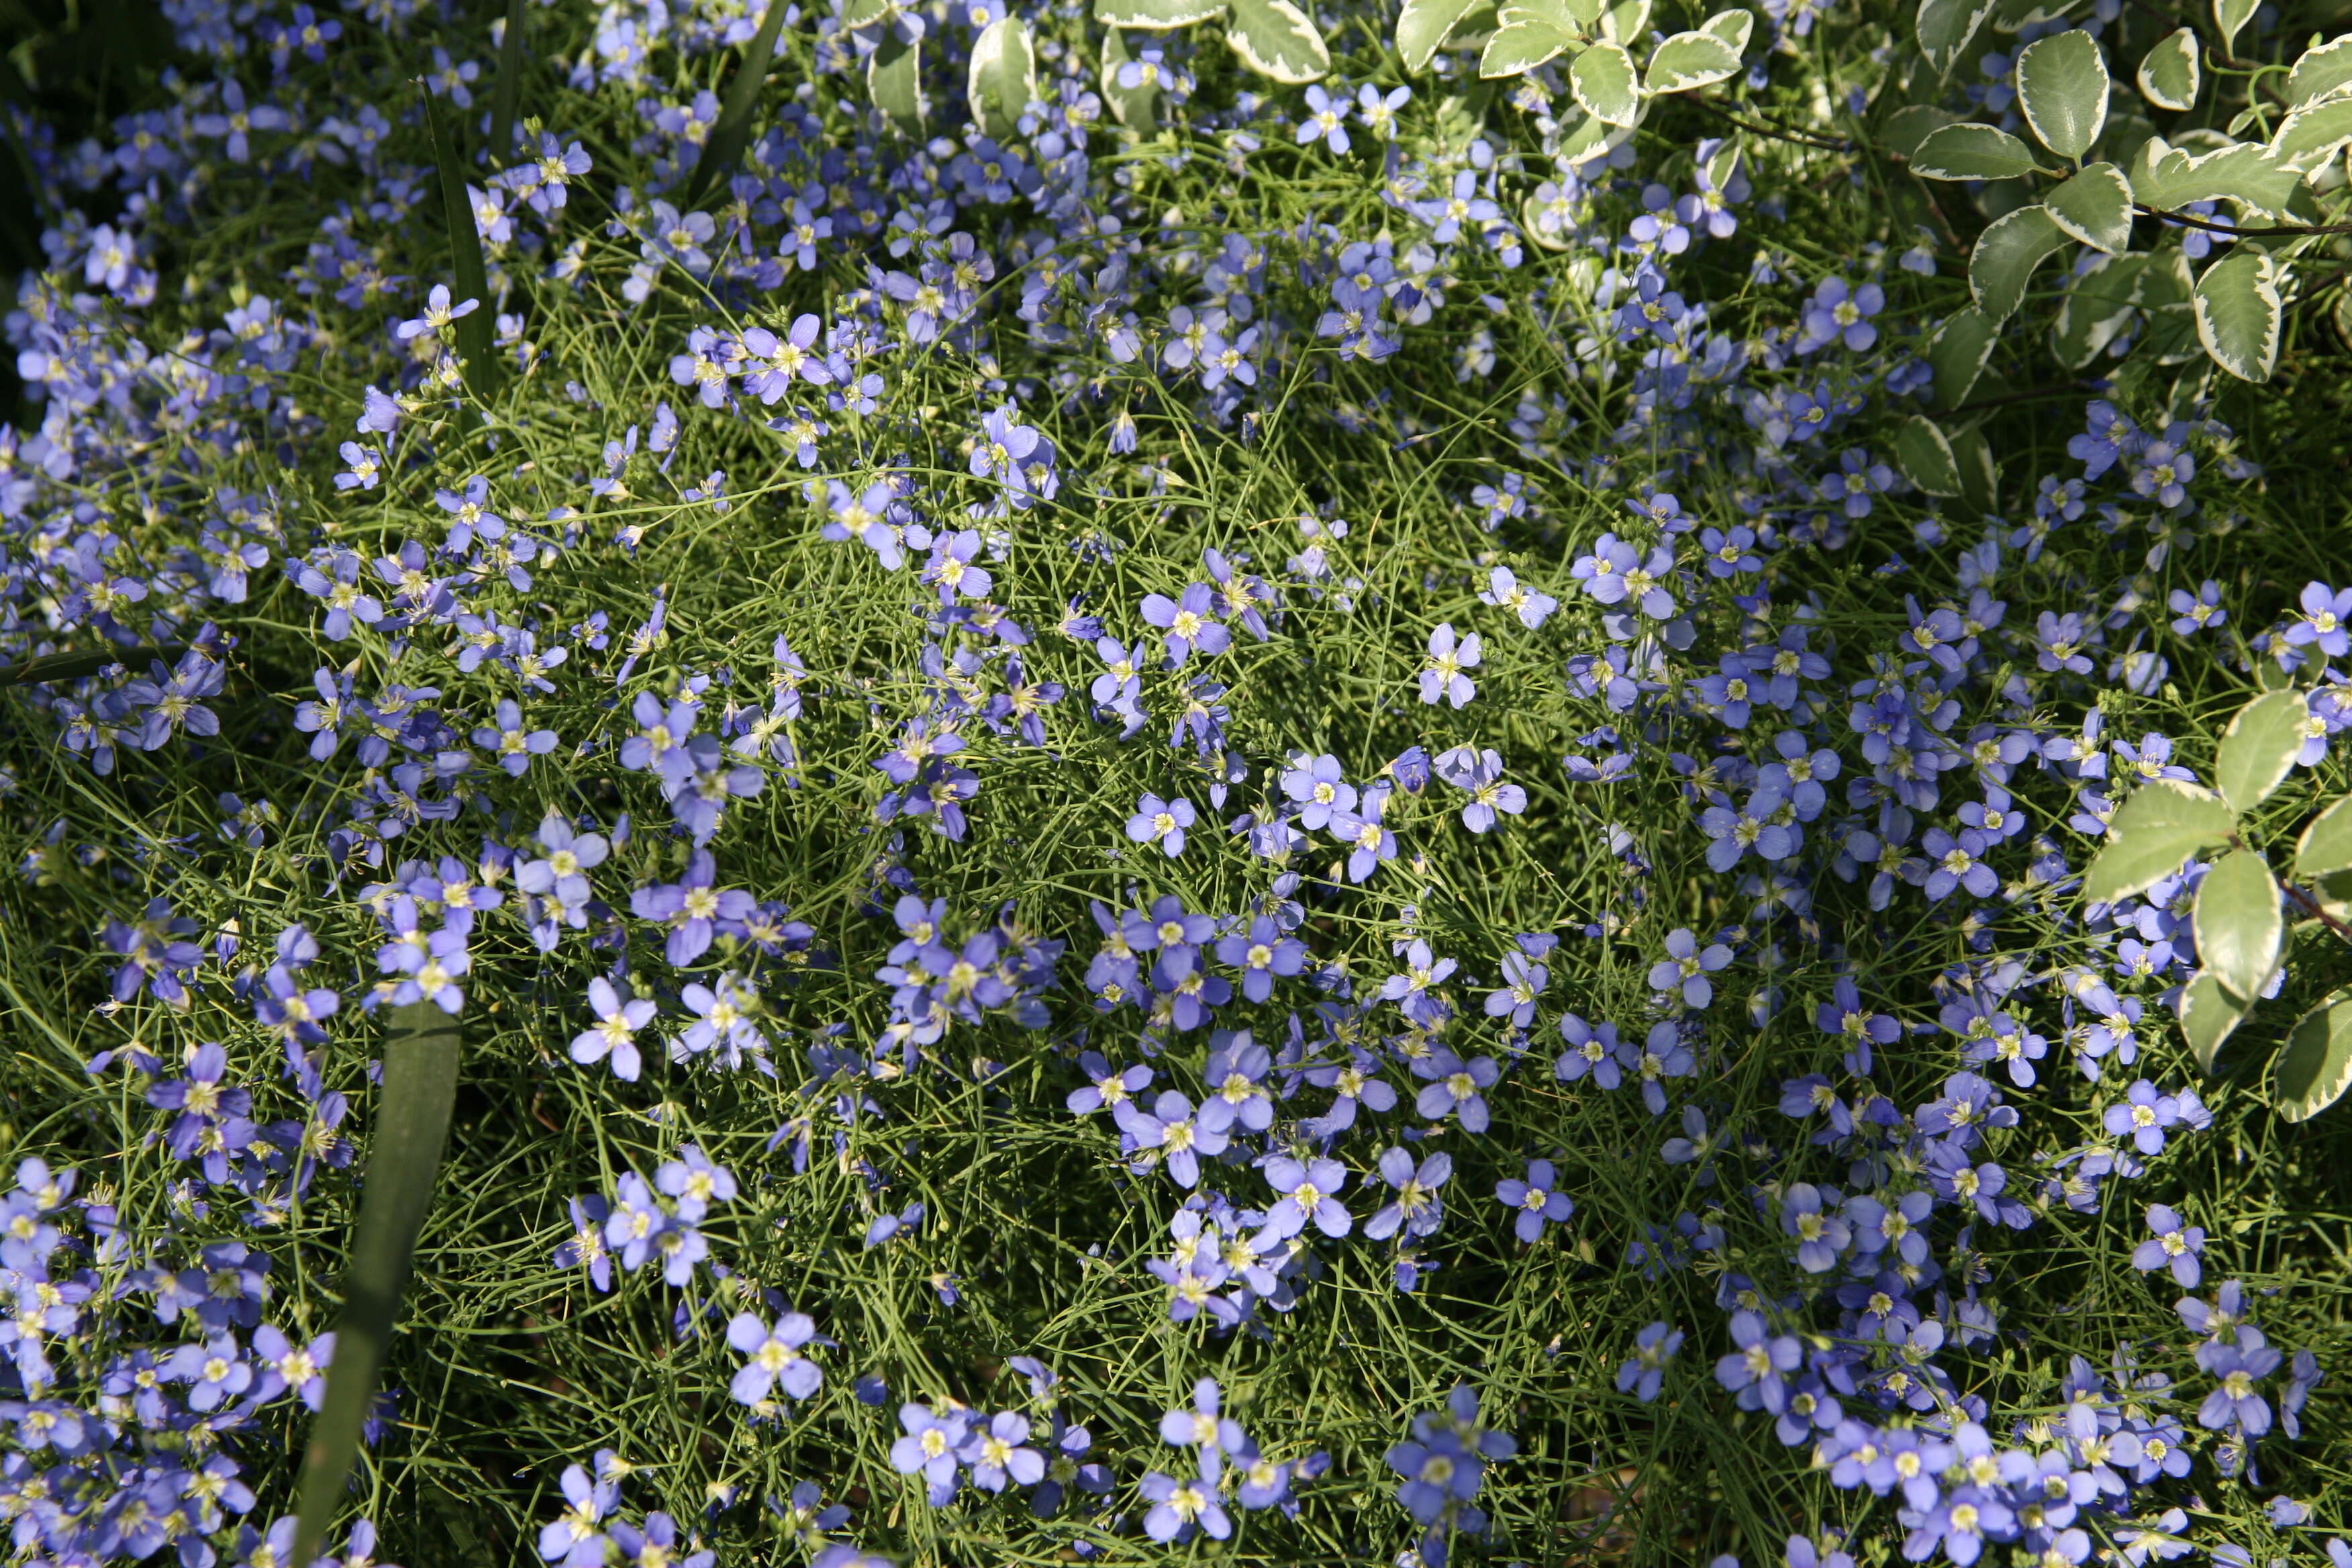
2239, 913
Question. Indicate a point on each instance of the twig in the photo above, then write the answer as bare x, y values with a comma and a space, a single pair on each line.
2287, 231
2310, 906
1778, 131
2007, 397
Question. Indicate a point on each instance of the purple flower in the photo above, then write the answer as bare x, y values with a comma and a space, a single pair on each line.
1838, 313
1537, 1200
776, 1359
934, 1446
616, 1032
1189, 622
1686, 966
1181, 1509
1753, 1371
1325, 120
1307, 1189
2175, 1245
2144, 1115
1447, 659
2199, 611
2235, 1369
2326, 621
1161, 822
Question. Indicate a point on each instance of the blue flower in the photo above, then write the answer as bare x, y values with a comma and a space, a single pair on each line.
1162, 821
1643, 1375
776, 1359
1537, 1199
2175, 1245
1325, 121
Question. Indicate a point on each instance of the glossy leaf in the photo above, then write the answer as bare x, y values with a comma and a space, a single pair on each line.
1524, 41
1958, 355
732, 132
1946, 27
2312, 135
2170, 74
1925, 456
2316, 1068
2159, 826
1689, 60
1732, 30
1003, 77
2005, 256
2229, 16
1157, 16
412, 1125
2167, 178
2320, 71
1278, 40
2209, 1015
2239, 311
2258, 748
2239, 925
2095, 207
1603, 81
894, 79
2326, 847
2098, 306
1972, 151
1912, 124
2062, 85
1422, 25
1131, 106
1626, 23
1979, 475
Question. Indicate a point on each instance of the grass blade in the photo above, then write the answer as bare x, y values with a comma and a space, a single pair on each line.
74, 666
509, 92
471, 277
727, 139
412, 1123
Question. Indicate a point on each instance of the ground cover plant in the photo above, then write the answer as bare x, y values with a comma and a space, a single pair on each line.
904, 783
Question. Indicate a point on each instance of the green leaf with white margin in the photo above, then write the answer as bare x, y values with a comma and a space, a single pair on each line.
1276, 40
1134, 106
1689, 60
2159, 826
1958, 355
2238, 923
2097, 306
2005, 256
2316, 1069
1525, 39
1603, 80
412, 1125
1157, 16
2259, 747
1979, 475
2164, 177
2326, 847
2229, 16
1732, 30
2319, 72
1925, 456
1972, 151
894, 80
2312, 134
2096, 207
1422, 27
2239, 309
1912, 124
1004, 76
2170, 74
1944, 29
2208, 1016
1627, 22
2062, 85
